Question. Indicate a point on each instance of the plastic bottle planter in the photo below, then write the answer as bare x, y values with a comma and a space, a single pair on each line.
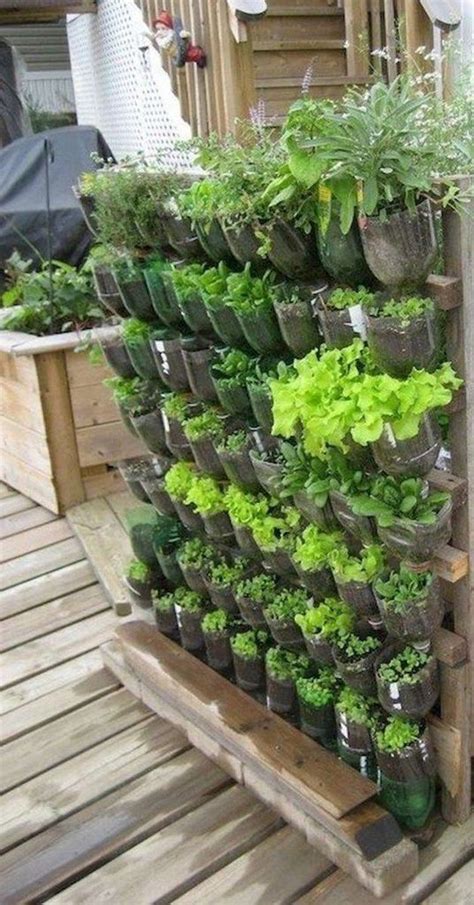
218, 650
136, 298
245, 540
87, 205
244, 245
285, 632
189, 518
141, 356
354, 744
251, 612
222, 596
169, 363
140, 591
107, 290
225, 324
341, 255
115, 351
233, 399
407, 781
181, 236
133, 471
163, 297
415, 542
218, 526
337, 326
414, 457
359, 595
141, 538
359, 526
195, 314
250, 674
175, 438
323, 516
261, 330
278, 561
358, 674
238, 468
293, 252
411, 699
169, 565
214, 242
206, 457
150, 429
198, 363
189, 625
401, 250
319, 582
194, 579
158, 496
319, 723
298, 327
127, 418
319, 649
268, 474
261, 402
281, 694
396, 349
167, 622
419, 619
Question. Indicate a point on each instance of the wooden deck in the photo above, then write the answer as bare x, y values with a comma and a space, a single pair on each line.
104, 800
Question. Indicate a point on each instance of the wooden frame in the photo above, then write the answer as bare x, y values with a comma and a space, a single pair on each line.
59, 427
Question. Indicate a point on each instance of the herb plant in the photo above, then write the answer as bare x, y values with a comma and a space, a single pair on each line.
195, 554
331, 619
405, 667
405, 309
358, 708
287, 603
138, 570
407, 499
224, 574
189, 600
234, 443
261, 588
163, 602
233, 368
352, 648
218, 622
319, 691
250, 645
286, 664
363, 568
168, 532
397, 734
136, 332
340, 299
247, 294
207, 425
404, 587
314, 547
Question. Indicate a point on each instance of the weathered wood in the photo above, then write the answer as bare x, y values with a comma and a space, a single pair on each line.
446, 291
449, 483
13, 503
45, 535
46, 683
449, 648
457, 889
47, 587
29, 480
5, 491
107, 443
65, 611
447, 744
451, 564
40, 562
357, 35
22, 521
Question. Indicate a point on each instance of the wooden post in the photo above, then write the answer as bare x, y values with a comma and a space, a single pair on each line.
237, 70
357, 37
418, 33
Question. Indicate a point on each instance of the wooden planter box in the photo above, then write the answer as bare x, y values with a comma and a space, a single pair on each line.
59, 427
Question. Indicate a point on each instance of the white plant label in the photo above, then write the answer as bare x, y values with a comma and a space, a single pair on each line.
357, 320
388, 431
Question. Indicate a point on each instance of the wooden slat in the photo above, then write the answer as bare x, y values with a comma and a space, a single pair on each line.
102, 484
41, 749
47, 587
57, 614
13, 503
446, 291
25, 405
22, 521
356, 24
105, 443
5, 490
230, 823
451, 564
36, 656
84, 840
306, 10
80, 372
449, 483
34, 539
121, 504
457, 889
92, 405
40, 562
25, 444
29, 480
70, 674
449, 648
85, 778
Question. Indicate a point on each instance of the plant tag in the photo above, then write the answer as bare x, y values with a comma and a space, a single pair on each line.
179, 618
357, 320
395, 696
166, 422
363, 764
165, 363
388, 431
159, 345
343, 725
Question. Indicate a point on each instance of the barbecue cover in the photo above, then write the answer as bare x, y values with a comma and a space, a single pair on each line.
23, 193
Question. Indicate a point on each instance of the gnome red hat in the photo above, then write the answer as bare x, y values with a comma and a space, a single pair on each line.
165, 19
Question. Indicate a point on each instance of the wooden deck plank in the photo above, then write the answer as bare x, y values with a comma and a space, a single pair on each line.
41, 749
272, 873
45, 588
36, 656
22, 521
53, 680
86, 778
5, 490
41, 562
76, 845
58, 614
175, 859
459, 888
13, 503
34, 539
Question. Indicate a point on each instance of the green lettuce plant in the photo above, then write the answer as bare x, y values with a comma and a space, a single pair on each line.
358, 708
340, 299
287, 604
218, 622
404, 667
363, 568
403, 587
404, 309
261, 588
304, 472
185, 280
330, 620
233, 368
195, 554
250, 645
245, 508
224, 574
162, 601
314, 547
206, 496
176, 405
276, 530
136, 332
138, 570
234, 443
406, 499
247, 294
319, 691
179, 479
189, 600
286, 664
397, 734
351, 647
206, 426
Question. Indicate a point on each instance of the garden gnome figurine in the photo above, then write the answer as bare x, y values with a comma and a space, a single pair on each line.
171, 38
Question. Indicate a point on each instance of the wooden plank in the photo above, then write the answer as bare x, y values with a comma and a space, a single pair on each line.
13, 503
36, 656
231, 823
295, 63
81, 372
52, 616
107, 547
41, 562
449, 483
21, 370
454, 695
121, 504
66, 699
24, 406
105, 443
72, 673
451, 564
5, 491
457, 889
447, 745
22, 521
92, 404
319, 81
35, 539
35, 484
42, 749
306, 10
81, 842
87, 777
294, 46
357, 37
293, 27
446, 291
25, 444
277, 870
45, 588
449, 648
102, 484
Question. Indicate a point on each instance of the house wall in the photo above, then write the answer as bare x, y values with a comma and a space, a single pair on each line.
44, 50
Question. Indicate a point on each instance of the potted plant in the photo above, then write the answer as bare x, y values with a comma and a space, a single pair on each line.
156, 273
316, 697
307, 480
244, 509
252, 595
229, 374
175, 409
354, 576
198, 204
218, 627
114, 350
195, 558
168, 355
269, 464
340, 314
407, 765
248, 654
198, 356
137, 336
407, 680
127, 395
310, 559
203, 432
207, 497
299, 328
251, 298
222, 317
220, 578
177, 482
133, 290
410, 603
274, 534
233, 451
190, 608
153, 482
403, 333
283, 668
133, 471
146, 418
357, 717
101, 260
186, 280
140, 580
355, 657
412, 522
280, 616
167, 537
180, 234
323, 625
164, 611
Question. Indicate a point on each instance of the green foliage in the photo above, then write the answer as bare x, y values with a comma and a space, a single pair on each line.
189, 600
405, 667
186, 278
125, 390
331, 619
407, 499
403, 588
404, 309
357, 708
136, 332
206, 495
179, 479
195, 554
176, 405
397, 734
286, 664
163, 602
363, 568
138, 570
250, 645
304, 472
261, 588
234, 443
340, 299
247, 294
319, 691
353, 648
206, 426
345, 477
224, 574
246, 508
314, 547
276, 530
218, 622
201, 201
287, 604
168, 532
233, 368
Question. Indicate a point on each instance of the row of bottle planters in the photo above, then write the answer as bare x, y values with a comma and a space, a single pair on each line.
297, 326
